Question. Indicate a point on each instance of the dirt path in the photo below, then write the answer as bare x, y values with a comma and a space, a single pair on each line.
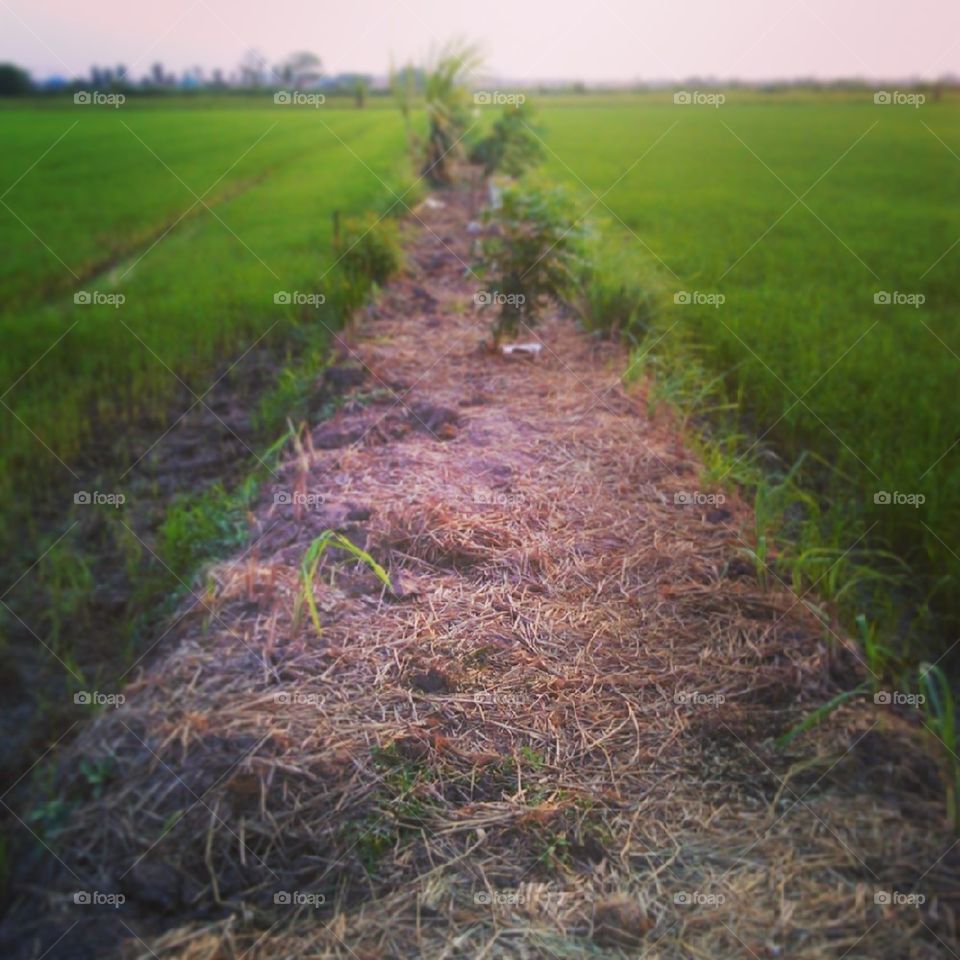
553, 742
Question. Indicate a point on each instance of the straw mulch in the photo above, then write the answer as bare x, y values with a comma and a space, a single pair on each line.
554, 739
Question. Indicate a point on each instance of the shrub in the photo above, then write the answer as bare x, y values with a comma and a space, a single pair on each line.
531, 256
512, 146
369, 251
448, 109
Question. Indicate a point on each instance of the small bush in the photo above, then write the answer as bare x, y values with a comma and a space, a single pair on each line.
369, 248
531, 256
447, 102
369, 252
513, 146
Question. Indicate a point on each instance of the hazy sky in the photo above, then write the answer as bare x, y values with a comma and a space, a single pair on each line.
596, 40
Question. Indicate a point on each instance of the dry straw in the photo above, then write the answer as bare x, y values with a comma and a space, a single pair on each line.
552, 740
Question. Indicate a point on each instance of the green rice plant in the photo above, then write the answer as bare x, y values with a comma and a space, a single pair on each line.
66, 579
878, 655
941, 720
125, 228
816, 717
310, 563
613, 295
97, 774
818, 359
197, 528
531, 256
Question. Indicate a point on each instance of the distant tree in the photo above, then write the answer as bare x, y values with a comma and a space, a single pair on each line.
252, 68
361, 87
14, 81
403, 84
156, 74
301, 68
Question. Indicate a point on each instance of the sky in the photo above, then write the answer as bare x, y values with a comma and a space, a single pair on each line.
596, 41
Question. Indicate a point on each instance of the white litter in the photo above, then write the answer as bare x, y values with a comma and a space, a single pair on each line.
522, 351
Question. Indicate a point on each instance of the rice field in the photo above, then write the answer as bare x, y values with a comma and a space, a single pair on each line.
809, 246
147, 246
